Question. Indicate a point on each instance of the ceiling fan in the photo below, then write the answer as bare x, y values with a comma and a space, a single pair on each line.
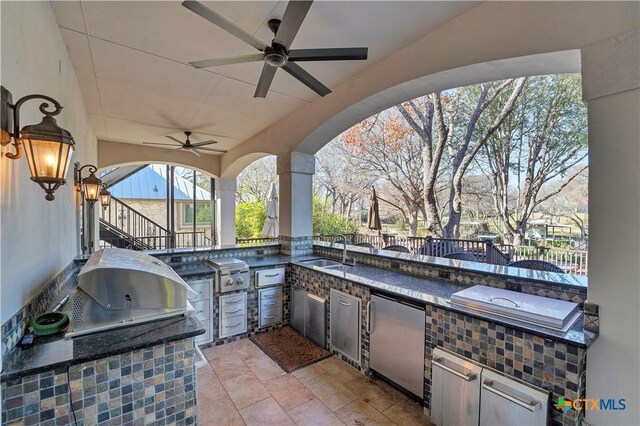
277, 55
195, 148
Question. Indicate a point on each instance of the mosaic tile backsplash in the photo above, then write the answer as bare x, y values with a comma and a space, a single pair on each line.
13, 328
156, 385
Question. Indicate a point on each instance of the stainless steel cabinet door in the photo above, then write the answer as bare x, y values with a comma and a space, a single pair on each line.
505, 402
455, 390
344, 332
397, 343
298, 308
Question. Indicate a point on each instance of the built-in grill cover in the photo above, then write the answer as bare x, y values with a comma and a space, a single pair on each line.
118, 287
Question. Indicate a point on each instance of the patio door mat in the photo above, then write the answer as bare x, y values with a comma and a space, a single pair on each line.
289, 349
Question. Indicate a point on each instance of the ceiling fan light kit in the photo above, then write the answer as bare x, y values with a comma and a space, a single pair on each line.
277, 55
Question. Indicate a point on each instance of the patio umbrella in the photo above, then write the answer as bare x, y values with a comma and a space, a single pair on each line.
374, 212
271, 228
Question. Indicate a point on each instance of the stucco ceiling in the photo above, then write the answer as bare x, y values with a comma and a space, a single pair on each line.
131, 61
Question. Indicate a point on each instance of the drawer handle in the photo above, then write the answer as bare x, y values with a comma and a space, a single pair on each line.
233, 312
230, 302
233, 326
344, 303
529, 405
469, 377
270, 294
271, 275
272, 303
270, 316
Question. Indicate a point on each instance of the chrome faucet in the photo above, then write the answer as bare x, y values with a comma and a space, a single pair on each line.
344, 248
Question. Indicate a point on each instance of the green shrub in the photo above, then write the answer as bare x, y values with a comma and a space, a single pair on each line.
327, 223
250, 219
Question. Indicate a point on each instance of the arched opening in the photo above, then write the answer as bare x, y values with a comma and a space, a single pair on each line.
153, 207
255, 184
503, 161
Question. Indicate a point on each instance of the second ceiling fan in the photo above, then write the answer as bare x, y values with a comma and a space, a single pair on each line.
187, 145
277, 55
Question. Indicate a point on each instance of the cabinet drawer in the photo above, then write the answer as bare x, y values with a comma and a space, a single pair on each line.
270, 316
233, 301
202, 287
270, 303
270, 293
202, 308
269, 277
230, 326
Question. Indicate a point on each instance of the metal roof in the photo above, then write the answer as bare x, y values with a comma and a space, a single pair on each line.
150, 183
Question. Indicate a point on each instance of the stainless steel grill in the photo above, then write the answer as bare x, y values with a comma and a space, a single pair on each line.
230, 274
118, 288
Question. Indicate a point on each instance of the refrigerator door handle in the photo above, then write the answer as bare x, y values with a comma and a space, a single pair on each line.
369, 303
468, 377
529, 405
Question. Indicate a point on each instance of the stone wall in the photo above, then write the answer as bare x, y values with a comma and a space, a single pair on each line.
156, 385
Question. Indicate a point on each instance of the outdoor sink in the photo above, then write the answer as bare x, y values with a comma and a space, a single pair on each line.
338, 267
322, 263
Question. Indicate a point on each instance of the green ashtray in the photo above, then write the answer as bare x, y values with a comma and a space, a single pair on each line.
49, 323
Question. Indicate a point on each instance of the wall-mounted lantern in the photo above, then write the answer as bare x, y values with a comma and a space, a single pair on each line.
47, 146
89, 186
105, 197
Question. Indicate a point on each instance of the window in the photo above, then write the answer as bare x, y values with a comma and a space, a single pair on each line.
203, 213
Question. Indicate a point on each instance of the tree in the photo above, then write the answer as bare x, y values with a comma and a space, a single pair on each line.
571, 203
385, 147
254, 181
456, 115
543, 142
327, 223
250, 218
336, 177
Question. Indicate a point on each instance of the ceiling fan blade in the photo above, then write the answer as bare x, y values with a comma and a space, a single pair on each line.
196, 152
265, 81
223, 23
176, 140
209, 142
212, 150
337, 54
291, 21
306, 78
160, 144
174, 149
227, 61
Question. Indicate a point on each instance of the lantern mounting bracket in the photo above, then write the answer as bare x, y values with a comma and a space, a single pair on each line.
10, 118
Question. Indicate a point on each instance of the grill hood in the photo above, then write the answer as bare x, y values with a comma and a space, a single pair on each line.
118, 288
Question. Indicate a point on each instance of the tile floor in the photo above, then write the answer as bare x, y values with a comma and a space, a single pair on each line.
241, 385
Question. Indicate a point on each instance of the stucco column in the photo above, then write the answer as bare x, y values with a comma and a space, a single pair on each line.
611, 81
295, 171
226, 210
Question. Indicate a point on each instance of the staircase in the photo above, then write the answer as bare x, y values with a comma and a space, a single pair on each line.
124, 227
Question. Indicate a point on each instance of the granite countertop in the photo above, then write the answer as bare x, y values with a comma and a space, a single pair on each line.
203, 268
505, 272
438, 293
56, 352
